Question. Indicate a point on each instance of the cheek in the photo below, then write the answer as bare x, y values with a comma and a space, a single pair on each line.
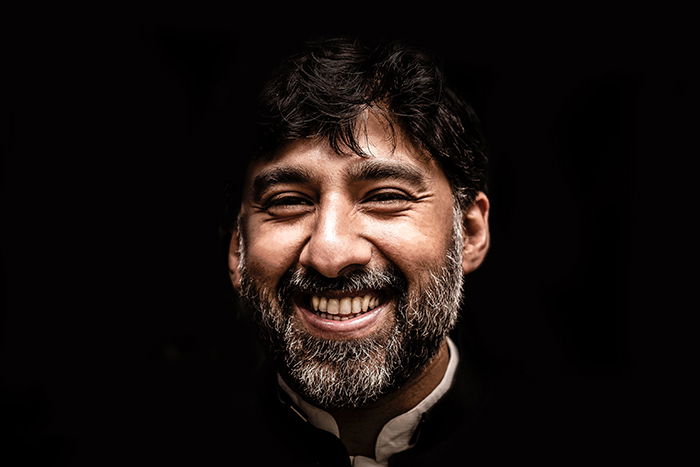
415, 247
272, 251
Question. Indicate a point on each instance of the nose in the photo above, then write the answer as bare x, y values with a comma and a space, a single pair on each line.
336, 245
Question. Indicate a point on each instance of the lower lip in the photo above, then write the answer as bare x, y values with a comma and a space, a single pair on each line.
349, 328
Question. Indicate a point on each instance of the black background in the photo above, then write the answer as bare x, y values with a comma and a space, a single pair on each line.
118, 322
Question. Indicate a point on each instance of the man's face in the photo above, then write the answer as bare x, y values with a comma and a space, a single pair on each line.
353, 264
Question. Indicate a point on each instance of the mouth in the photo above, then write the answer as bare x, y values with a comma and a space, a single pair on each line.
343, 308
349, 314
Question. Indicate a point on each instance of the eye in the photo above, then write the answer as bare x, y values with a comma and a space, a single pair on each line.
387, 196
288, 205
387, 200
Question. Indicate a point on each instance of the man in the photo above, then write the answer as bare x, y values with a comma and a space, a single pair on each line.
358, 217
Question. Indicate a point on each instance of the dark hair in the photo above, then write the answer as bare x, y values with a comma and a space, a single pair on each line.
321, 91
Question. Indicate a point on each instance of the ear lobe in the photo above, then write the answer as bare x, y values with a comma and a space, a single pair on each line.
475, 227
234, 260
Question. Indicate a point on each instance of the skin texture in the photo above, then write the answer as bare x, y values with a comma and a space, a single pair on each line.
336, 218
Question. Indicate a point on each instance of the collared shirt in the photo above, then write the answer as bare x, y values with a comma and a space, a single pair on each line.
396, 434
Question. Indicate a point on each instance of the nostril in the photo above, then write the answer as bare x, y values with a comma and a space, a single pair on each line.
341, 259
351, 268
335, 246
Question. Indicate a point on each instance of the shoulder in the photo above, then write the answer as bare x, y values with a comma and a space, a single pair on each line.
547, 420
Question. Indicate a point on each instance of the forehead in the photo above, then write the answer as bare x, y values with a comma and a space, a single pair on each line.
387, 154
314, 159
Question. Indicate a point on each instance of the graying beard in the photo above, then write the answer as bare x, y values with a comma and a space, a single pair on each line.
342, 373
355, 373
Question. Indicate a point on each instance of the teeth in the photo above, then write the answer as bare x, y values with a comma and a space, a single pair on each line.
335, 317
346, 306
333, 306
343, 306
357, 304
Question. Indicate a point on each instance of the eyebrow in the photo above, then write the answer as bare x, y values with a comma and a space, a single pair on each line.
367, 170
277, 176
372, 169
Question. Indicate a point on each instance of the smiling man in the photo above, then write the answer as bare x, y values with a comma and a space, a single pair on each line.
357, 220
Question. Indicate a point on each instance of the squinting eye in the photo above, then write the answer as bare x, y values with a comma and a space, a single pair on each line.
387, 202
288, 201
387, 196
288, 206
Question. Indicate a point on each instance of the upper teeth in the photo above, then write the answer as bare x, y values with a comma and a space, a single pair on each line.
344, 306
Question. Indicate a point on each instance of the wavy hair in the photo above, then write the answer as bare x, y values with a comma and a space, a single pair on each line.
326, 89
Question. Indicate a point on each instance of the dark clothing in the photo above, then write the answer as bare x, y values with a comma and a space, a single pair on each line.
435, 437
481, 420
477, 422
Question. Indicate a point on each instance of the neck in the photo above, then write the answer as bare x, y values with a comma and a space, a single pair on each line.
359, 428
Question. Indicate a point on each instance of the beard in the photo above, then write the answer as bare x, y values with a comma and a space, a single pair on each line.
355, 373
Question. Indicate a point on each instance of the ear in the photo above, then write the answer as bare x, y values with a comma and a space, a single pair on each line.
234, 260
475, 227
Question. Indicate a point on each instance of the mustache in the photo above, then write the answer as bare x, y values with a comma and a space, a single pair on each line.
311, 282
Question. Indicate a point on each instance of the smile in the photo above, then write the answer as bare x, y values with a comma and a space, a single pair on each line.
344, 308
336, 314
